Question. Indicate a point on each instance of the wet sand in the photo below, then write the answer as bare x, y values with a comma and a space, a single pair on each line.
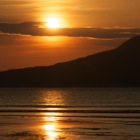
61, 128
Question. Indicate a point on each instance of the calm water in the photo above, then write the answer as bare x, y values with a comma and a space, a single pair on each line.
70, 114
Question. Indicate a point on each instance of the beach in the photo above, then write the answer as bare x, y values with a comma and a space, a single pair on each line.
69, 114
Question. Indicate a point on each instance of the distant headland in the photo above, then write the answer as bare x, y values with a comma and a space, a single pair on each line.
118, 68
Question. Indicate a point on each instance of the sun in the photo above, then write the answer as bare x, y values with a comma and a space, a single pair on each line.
53, 22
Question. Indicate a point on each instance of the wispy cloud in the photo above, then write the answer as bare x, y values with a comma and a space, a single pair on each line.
37, 29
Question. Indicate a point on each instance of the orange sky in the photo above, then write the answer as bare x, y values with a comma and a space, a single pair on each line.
96, 13
19, 49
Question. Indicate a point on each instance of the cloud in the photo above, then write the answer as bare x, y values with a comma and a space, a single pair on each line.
39, 29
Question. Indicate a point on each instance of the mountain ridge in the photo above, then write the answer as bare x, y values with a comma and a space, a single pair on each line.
117, 67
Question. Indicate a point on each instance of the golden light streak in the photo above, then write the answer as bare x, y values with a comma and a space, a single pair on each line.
50, 130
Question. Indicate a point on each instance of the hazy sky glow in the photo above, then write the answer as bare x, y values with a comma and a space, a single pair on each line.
95, 13
87, 27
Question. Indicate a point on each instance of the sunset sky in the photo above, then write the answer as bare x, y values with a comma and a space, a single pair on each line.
45, 32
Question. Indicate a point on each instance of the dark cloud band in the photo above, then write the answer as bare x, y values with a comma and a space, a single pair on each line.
37, 29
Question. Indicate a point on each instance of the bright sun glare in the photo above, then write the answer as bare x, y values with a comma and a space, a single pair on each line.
53, 22
51, 131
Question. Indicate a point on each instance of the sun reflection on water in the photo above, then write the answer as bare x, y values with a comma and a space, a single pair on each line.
52, 117
54, 97
51, 131
51, 126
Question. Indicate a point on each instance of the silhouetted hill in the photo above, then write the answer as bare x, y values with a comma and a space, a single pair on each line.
118, 67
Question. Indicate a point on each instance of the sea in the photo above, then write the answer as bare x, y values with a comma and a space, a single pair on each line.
69, 113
